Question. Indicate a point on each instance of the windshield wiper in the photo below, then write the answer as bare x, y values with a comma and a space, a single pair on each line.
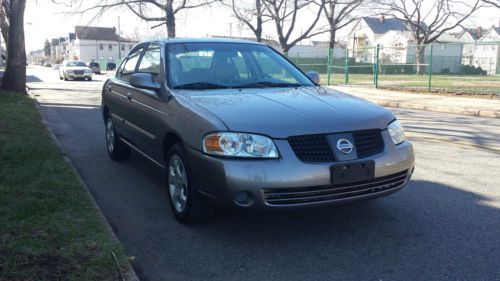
200, 86
268, 84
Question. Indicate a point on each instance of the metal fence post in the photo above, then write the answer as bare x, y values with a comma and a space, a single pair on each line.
376, 66
430, 69
328, 66
346, 67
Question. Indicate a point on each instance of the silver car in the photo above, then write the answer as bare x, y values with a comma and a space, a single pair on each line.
73, 69
235, 124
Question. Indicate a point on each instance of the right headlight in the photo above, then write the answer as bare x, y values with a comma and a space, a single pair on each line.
396, 131
239, 145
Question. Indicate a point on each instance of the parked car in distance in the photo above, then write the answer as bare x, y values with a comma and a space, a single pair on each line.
47, 64
56, 66
236, 125
110, 66
95, 67
73, 69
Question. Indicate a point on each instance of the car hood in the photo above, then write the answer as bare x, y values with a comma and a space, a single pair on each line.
281, 113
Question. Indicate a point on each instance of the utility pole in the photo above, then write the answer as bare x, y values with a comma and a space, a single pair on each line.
119, 41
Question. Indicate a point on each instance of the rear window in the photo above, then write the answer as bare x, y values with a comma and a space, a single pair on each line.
93, 64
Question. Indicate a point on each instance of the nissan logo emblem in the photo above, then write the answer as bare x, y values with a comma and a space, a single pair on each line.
344, 146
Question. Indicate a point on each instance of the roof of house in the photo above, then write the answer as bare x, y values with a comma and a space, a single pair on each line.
380, 27
97, 33
474, 33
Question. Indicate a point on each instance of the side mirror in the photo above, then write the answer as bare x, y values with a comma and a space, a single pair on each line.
314, 76
144, 81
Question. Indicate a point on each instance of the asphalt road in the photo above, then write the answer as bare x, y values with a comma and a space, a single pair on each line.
444, 226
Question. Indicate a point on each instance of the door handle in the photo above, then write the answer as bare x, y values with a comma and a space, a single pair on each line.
129, 96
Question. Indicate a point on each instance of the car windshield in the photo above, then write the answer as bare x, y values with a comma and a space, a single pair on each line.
230, 65
75, 63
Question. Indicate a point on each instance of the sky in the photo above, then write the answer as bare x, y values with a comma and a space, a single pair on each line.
46, 20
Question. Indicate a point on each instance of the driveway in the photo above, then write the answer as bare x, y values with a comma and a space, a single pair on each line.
444, 226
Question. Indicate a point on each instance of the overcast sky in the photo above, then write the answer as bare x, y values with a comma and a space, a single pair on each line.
44, 19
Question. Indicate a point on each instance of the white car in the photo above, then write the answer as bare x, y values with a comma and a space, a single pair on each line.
73, 69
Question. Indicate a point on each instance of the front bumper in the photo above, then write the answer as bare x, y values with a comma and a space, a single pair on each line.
79, 76
290, 183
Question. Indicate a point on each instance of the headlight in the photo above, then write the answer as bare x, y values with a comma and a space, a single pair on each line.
239, 145
69, 70
397, 132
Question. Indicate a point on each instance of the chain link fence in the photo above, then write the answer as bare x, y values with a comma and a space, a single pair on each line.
453, 67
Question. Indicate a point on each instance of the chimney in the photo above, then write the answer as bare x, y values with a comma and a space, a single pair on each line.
382, 19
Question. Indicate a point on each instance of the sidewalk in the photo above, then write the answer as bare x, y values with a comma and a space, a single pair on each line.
449, 104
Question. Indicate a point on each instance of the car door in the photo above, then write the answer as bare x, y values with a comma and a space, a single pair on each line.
120, 94
148, 107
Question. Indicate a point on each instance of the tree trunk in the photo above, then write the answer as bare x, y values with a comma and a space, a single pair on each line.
170, 20
258, 31
4, 25
14, 78
420, 58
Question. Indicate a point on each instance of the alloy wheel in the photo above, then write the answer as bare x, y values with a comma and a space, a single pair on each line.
177, 183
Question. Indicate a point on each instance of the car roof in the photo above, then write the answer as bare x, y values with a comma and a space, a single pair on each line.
204, 40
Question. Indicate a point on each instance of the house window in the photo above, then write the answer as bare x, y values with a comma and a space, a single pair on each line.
110, 47
101, 47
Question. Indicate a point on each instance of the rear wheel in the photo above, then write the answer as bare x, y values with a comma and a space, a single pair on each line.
117, 149
187, 205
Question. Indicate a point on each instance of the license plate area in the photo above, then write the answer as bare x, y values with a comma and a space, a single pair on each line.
352, 172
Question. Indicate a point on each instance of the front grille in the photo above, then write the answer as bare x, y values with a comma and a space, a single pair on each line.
312, 148
332, 193
78, 72
315, 148
368, 142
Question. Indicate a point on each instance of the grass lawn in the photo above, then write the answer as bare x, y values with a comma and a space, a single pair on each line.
49, 228
449, 83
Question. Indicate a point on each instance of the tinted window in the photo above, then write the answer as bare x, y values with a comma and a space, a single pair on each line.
75, 63
130, 64
230, 65
150, 61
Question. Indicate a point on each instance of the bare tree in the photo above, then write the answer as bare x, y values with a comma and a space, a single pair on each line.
284, 14
495, 3
251, 17
339, 14
14, 78
429, 19
156, 11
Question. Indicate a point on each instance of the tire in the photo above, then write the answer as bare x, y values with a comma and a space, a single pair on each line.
181, 186
89, 79
117, 149
60, 78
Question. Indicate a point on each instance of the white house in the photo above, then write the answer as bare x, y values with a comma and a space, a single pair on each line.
100, 44
487, 54
368, 32
469, 37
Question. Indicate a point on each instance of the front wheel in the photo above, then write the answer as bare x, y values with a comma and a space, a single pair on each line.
117, 149
186, 203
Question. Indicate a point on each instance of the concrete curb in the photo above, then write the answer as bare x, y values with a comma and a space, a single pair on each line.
444, 109
489, 113
130, 275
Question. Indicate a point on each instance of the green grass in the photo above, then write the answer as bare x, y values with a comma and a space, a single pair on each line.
448, 83
49, 228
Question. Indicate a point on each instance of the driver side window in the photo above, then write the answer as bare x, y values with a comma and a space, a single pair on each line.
129, 66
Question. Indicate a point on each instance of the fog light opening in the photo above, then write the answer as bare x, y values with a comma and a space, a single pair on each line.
244, 198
